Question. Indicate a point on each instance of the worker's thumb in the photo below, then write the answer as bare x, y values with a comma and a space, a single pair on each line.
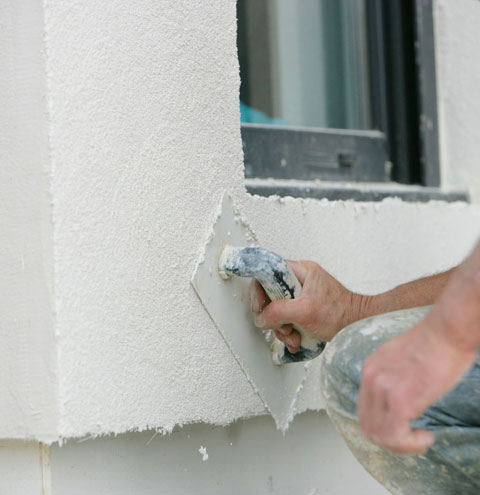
300, 269
282, 312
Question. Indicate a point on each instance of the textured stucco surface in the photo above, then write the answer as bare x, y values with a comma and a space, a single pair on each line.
457, 25
27, 348
145, 137
143, 126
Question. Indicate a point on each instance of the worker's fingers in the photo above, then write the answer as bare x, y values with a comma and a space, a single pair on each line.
284, 330
279, 315
417, 442
292, 340
406, 441
366, 400
395, 433
300, 270
258, 296
382, 428
376, 424
384, 418
297, 311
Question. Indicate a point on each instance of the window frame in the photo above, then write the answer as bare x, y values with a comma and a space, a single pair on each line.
401, 49
302, 153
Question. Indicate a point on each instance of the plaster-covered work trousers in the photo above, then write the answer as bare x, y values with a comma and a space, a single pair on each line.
452, 464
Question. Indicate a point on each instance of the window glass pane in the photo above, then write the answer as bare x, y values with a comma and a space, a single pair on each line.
304, 63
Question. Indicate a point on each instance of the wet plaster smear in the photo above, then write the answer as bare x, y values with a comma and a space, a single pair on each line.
142, 114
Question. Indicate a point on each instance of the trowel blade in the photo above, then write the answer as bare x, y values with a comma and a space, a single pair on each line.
227, 303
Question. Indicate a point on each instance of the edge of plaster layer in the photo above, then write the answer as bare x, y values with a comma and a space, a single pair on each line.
51, 212
376, 205
359, 192
169, 428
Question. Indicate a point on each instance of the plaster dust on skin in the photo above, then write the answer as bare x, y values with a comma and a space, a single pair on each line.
136, 170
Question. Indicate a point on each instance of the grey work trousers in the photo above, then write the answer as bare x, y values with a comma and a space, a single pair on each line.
452, 464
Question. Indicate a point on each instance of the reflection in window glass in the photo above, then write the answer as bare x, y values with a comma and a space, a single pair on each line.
304, 63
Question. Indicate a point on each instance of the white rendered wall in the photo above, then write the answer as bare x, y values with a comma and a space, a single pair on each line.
457, 24
244, 457
119, 133
28, 407
143, 126
247, 457
145, 137
24, 468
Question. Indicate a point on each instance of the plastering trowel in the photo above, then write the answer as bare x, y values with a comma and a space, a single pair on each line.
275, 373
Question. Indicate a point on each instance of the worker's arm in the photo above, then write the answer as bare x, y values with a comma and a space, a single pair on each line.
410, 372
421, 292
326, 306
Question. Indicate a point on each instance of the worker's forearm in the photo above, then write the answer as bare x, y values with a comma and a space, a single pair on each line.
455, 295
422, 292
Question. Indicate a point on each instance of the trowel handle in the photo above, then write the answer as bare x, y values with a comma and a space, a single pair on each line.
279, 282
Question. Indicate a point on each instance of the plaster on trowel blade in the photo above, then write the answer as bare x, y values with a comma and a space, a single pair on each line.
227, 303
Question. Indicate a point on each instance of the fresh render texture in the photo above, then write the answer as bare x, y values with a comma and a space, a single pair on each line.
138, 141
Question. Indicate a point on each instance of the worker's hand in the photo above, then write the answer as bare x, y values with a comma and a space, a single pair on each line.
404, 377
323, 309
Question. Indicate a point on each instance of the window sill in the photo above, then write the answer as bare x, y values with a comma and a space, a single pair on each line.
349, 190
